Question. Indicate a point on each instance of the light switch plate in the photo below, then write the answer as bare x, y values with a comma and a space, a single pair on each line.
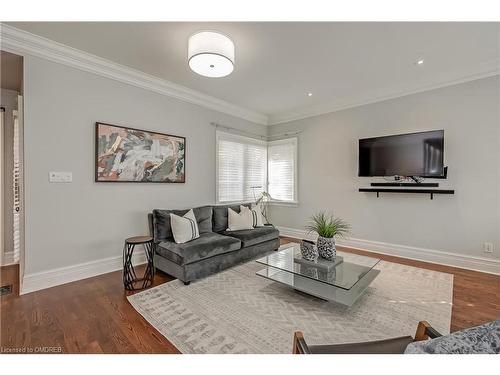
59, 177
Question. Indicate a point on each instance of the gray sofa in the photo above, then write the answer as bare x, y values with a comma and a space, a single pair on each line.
215, 250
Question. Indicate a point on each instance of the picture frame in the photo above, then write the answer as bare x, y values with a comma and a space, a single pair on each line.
125, 154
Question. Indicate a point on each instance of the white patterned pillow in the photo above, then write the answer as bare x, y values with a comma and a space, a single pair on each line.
257, 218
184, 228
239, 221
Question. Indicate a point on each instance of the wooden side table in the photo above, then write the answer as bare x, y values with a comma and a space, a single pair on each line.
129, 276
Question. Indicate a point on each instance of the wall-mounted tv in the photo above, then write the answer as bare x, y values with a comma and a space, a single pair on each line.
414, 154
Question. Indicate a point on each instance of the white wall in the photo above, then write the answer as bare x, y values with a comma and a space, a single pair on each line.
69, 224
460, 223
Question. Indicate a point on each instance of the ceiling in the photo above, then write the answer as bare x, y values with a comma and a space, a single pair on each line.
278, 64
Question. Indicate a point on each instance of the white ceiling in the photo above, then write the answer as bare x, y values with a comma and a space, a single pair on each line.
277, 64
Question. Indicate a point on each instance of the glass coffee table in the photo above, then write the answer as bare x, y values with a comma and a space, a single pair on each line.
344, 283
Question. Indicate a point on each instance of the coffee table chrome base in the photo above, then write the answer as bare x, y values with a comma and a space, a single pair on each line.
319, 289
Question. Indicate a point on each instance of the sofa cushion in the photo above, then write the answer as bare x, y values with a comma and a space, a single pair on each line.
220, 216
161, 221
250, 237
205, 246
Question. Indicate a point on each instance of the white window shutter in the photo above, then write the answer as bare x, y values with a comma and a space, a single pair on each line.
282, 169
242, 169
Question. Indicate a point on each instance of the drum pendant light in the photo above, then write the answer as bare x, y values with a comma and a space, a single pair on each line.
211, 54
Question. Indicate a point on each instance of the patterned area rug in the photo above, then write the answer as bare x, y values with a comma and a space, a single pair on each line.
238, 312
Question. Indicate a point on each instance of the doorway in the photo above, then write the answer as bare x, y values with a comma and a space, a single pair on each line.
11, 170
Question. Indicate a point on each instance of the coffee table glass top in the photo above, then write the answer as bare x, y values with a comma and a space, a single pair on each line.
345, 275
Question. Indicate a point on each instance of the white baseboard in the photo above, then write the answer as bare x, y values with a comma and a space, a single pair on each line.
59, 276
409, 252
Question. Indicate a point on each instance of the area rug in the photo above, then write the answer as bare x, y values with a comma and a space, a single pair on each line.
236, 311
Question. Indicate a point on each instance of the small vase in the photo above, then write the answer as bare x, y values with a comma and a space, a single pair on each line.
326, 248
309, 250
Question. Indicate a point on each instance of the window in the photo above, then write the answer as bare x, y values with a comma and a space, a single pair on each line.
242, 167
282, 169
247, 166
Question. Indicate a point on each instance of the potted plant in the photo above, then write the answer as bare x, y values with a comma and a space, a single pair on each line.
327, 227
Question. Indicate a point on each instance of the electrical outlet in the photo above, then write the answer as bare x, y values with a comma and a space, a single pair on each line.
488, 247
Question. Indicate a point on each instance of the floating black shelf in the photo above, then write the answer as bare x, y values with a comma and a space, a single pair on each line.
407, 191
403, 184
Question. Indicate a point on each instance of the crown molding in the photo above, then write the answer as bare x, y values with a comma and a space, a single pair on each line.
489, 69
25, 43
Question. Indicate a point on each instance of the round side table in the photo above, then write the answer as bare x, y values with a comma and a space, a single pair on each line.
129, 276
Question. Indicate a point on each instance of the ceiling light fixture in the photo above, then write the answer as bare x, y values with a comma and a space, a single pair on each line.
419, 62
310, 94
211, 54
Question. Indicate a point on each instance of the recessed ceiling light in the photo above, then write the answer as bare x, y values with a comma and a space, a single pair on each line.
309, 94
419, 62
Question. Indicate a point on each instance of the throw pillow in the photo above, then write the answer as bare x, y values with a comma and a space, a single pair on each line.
184, 228
257, 218
239, 221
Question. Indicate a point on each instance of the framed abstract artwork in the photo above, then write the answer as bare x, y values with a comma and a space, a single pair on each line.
131, 155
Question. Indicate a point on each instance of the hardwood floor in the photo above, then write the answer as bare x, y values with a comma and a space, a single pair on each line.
94, 316
87, 316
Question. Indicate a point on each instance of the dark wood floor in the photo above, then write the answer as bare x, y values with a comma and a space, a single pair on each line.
87, 316
94, 316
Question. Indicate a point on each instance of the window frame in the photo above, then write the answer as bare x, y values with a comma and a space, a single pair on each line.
231, 136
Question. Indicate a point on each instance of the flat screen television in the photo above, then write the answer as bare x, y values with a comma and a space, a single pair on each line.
414, 154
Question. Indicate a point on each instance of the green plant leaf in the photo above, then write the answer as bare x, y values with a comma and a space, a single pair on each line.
328, 226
